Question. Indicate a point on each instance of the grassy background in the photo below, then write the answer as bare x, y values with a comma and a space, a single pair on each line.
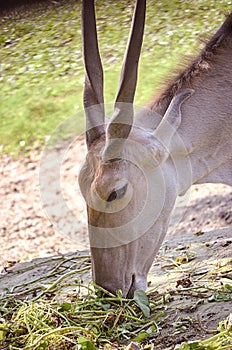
42, 76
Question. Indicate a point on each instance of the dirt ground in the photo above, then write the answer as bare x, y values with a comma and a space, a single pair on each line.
26, 232
197, 299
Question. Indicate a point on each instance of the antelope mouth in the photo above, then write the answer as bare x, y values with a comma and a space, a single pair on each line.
136, 284
131, 291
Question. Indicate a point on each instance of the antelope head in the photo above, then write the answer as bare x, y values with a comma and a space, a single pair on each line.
128, 179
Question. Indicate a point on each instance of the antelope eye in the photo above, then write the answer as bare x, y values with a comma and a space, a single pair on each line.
117, 194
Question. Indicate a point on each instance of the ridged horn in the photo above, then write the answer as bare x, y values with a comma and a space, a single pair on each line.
122, 120
93, 91
121, 123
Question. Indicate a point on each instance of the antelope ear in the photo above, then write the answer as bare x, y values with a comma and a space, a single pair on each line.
172, 118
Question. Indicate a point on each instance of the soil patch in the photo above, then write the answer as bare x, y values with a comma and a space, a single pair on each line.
26, 232
192, 273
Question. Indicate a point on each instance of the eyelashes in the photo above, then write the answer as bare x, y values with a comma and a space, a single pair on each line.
117, 194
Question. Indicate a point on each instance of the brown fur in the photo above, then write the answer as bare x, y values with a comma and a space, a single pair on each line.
199, 65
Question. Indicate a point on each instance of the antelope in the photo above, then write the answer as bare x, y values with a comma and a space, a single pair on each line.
140, 162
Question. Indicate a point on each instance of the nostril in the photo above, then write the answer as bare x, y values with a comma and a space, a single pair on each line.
117, 194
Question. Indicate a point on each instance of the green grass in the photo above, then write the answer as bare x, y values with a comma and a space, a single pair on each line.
42, 76
63, 313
